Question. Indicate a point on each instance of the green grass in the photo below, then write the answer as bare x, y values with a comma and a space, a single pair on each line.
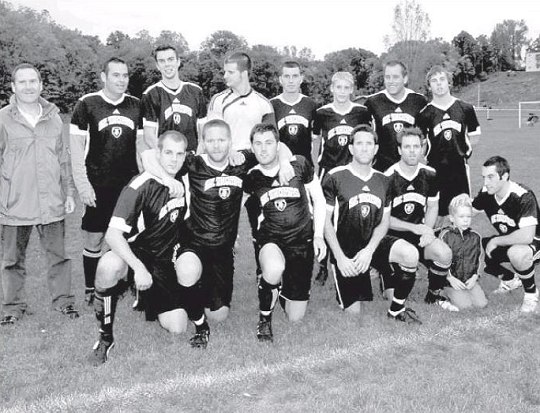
474, 361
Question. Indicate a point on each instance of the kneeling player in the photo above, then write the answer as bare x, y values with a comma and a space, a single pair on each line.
287, 236
359, 194
150, 253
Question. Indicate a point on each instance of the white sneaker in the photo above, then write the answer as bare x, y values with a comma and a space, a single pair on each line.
447, 305
506, 286
530, 302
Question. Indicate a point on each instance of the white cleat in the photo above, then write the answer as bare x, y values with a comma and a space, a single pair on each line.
507, 286
530, 302
447, 305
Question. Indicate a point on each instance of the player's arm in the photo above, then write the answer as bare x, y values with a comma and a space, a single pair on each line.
150, 163
150, 118
521, 236
346, 265
270, 119
364, 256
77, 144
150, 135
316, 195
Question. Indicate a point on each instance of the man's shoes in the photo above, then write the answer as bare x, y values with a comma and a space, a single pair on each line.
89, 296
443, 302
530, 302
8, 320
509, 285
264, 330
322, 275
69, 311
201, 337
100, 352
408, 316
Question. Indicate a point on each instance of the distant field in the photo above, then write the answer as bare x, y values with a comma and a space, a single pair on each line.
485, 361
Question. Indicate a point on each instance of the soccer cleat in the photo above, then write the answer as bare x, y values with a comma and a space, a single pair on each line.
264, 330
70, 311
201, 337
322, 275
530, 302
435, 298
100, 352
8, 320
507, 286
89, 295
408, 315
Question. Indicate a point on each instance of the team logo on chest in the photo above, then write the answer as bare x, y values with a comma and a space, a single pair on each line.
503, 228
364, 210
280, 204
176, 118
409, 208
447, 134
116, 131
343, 140
398, 127
293, 130
173, 216
224, 192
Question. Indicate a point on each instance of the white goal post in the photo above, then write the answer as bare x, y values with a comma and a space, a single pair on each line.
520, 106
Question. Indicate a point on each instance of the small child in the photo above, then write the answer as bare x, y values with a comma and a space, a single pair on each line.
466, 245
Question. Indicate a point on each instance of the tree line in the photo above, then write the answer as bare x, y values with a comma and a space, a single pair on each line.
70, 61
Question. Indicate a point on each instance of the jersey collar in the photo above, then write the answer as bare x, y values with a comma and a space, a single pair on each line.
112, 102
407, 93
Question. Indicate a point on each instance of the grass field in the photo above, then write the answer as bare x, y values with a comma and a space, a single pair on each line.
483, 361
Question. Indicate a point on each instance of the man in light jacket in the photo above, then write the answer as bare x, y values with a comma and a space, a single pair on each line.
36, 190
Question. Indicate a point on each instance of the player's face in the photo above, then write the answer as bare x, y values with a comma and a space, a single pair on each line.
363, 148
438, 83
232, 76
394, 81
116, 79
26, 86
265, 147
172, 155
217, 143
341, 91
167, 63
462, 217
410, 150
291, 79
492, 181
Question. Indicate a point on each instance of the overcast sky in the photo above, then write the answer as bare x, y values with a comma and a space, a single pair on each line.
323, 26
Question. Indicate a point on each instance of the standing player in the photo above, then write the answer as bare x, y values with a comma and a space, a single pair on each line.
357, 194
287, 236
334, 123
392, 109
171, 104
295, 112
414, 202
448, 123
513, 210
103, 134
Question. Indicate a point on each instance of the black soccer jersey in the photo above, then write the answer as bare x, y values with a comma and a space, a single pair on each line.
215, 201
285, 213
517, 210
335, 129
448, 130
390, 117
295, 122
112, 130
178, 110
149, 217
409, 194
358, 204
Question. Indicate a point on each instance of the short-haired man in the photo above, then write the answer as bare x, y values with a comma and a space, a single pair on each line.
36, 190
171, 104
448, 123
295, 112
393, 109
103, 135
359, 240
287, 236
147, 252
513, 210
414, 202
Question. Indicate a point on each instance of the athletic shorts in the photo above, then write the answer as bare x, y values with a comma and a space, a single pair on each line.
452, 180
296, 278
96, 219
358, 288
500, 254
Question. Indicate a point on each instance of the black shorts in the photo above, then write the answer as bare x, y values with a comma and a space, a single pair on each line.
296, 278
412, 239
96, 219
500, 254
452, 179
352, 289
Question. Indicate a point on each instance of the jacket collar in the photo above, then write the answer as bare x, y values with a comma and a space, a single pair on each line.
49, 109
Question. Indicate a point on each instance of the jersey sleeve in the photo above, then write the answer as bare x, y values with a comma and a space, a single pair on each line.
149, 110
527, 213
317, 122
478, 202
80, 119
306, 169
127, 210
471, 121
251, 160
329, 190
189, 164
433, 186
202, 108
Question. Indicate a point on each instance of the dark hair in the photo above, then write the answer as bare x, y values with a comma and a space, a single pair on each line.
24, 66
175, 136
410, 131
404, 70
113, 59
262, 128
216, 123
501, 165
363, 128
291, 64
162, 48
438, 69
242, 60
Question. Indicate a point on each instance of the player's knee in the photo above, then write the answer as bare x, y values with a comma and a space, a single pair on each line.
188, 269
218, 315
295, 310
110, 269
404, 254
443, 254
355, 308
272, 263
93, 241
174, 321
520, 257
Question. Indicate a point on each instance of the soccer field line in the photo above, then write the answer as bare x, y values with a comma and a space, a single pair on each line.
315, 360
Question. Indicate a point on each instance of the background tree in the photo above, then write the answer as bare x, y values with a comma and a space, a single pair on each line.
508, 39
222, 42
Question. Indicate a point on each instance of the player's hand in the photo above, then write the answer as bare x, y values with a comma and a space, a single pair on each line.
237, 158
455, 283
286, 172
471, 282
362, 259
491, 245
176, 189
69, 205
347, 267
426, 239
88, 196
319, 246
422, 229
143, 279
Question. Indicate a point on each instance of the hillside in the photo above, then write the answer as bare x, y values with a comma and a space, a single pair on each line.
503, 89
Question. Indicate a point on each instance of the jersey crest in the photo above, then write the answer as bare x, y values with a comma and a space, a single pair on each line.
398, 127
280, 204
224, 192
447, 135
364, 209
293, 130
409, 208
116, 131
